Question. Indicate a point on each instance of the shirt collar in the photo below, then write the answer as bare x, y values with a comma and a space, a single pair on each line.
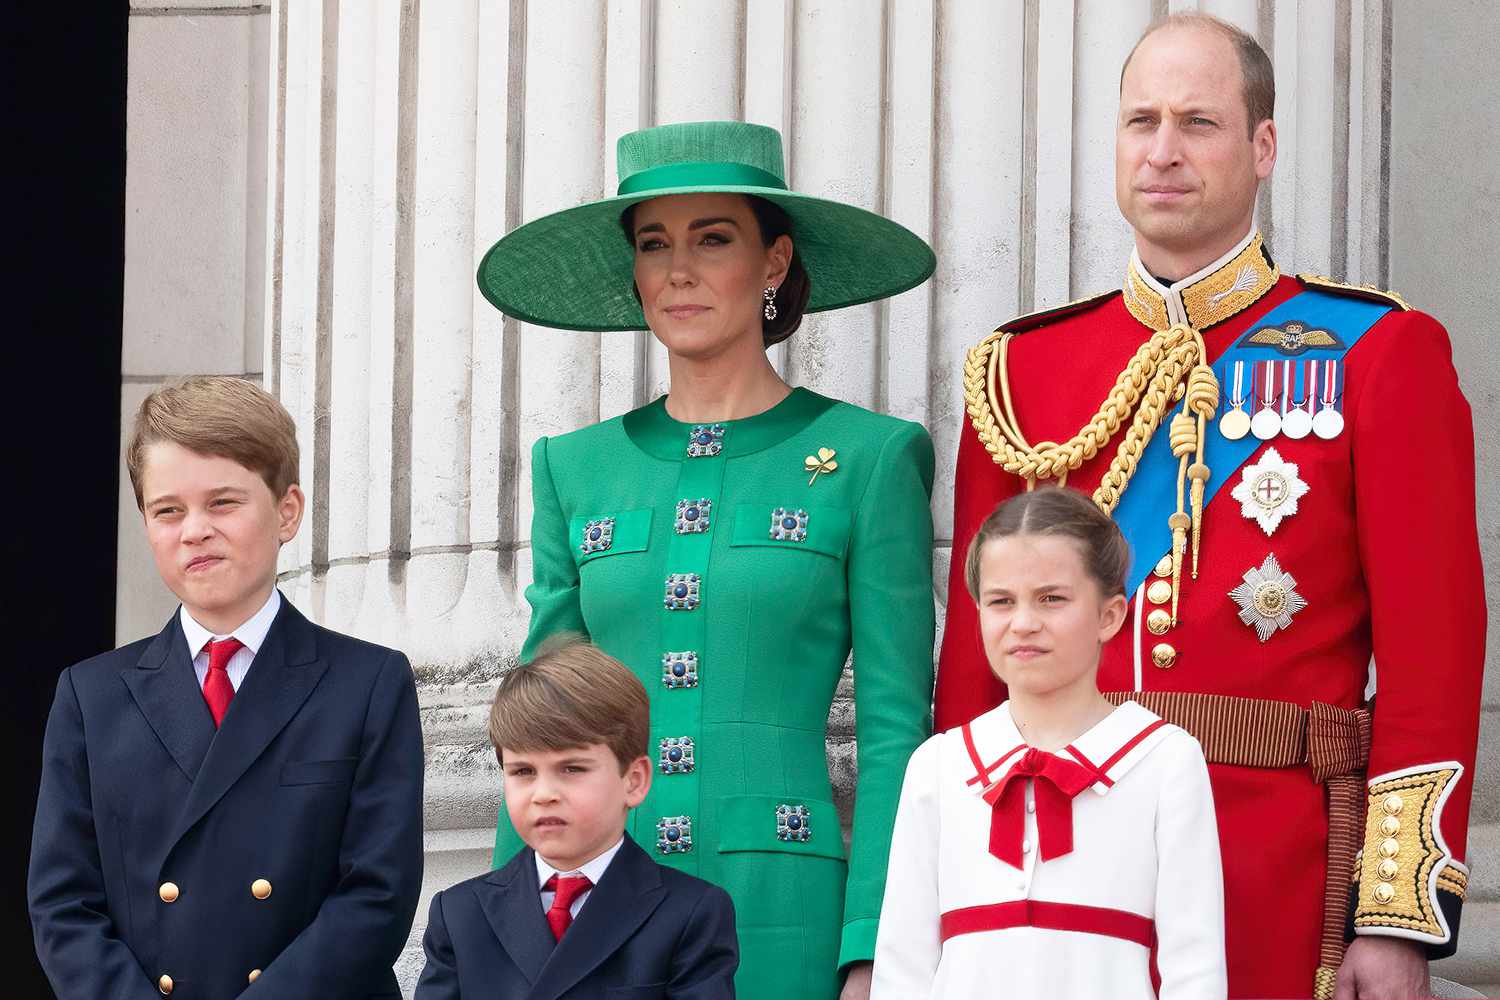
996, 738
1223, 289
252, 634
592, 870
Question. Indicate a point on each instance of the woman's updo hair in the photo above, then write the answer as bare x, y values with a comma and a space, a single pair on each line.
791, 295
1053, 510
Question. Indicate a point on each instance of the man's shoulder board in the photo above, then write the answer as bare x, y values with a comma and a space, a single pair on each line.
1370, 293
1032, 320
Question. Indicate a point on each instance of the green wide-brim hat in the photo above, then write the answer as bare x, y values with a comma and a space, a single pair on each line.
575, 269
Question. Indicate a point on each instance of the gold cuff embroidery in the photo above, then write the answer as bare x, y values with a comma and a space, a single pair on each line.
1402, 847
1455, 880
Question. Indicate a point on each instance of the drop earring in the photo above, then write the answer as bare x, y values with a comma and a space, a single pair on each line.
770, 296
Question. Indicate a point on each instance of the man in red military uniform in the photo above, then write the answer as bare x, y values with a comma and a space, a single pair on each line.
1293, 463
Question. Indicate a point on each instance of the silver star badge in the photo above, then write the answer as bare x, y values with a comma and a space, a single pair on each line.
1268, 598
1269, 490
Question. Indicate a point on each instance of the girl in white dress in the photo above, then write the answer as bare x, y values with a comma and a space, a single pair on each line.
1057, 846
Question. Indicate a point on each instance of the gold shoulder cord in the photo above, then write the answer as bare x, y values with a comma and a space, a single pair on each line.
1170, 359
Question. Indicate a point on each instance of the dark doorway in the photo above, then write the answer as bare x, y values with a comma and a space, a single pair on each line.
64, 210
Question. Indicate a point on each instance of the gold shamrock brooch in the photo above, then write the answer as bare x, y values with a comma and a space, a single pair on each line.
821, 462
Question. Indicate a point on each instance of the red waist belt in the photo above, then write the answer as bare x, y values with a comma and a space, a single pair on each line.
1050, 916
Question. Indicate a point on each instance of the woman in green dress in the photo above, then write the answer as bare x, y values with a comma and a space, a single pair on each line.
732, 541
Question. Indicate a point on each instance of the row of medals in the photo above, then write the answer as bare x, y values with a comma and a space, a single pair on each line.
1277, 411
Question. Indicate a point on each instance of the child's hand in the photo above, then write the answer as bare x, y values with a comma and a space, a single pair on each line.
857, 983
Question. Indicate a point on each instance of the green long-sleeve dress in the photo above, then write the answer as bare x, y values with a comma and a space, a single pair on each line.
702, 557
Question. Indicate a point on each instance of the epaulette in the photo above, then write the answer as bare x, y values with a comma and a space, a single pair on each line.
1041, 317
1368, 292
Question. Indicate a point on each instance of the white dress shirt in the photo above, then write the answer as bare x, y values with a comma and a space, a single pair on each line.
593, 870
252, 635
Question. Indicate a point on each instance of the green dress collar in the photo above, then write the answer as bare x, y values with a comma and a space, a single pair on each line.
654, 431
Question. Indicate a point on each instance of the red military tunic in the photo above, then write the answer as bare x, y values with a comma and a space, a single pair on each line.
1383, 548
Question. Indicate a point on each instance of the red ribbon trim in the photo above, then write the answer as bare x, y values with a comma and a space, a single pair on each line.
1100, 920
1130, 745
983, 774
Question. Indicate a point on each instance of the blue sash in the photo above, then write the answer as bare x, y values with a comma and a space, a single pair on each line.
1152, 492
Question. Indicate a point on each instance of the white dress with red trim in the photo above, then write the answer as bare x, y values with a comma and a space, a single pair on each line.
1020, 873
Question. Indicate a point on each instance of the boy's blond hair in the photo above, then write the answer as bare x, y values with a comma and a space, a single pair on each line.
572, 694
220, 416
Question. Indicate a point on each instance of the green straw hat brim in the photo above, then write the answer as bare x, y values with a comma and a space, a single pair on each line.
575, 269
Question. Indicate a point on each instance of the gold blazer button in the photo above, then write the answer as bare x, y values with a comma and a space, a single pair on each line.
168, 892
165, 985
260, 888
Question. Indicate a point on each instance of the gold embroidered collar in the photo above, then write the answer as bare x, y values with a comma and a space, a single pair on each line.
1228, 286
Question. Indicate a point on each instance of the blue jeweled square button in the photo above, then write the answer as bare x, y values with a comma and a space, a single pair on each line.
679, 670
793, 823
674, 834
676, 756
682, 592
788, 525
705, 440
598, 535
693, 516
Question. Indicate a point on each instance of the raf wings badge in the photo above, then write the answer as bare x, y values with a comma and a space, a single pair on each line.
1293, 338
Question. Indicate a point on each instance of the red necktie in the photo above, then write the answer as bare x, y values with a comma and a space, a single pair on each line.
217, 690
568, 889
1057, 780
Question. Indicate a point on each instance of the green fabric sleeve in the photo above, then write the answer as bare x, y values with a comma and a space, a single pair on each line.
891, 619
553, 596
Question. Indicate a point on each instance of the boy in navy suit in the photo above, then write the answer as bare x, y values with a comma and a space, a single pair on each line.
233, 806
581, 911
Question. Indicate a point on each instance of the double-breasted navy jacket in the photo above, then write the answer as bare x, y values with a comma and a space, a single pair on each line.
283, 849
646, 932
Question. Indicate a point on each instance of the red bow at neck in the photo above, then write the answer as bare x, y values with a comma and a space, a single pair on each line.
1056, 781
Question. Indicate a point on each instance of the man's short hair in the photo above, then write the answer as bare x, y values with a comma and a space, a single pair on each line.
1256, 71
571, 694
220, 416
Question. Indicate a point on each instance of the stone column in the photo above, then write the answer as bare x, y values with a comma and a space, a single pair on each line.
195, 204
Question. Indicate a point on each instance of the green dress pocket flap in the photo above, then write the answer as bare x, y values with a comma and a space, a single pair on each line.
594, 536
791, 526
780, 823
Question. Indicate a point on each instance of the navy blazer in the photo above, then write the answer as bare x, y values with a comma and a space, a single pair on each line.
645, 932
310, 791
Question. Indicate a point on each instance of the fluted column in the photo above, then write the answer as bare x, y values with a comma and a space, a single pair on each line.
408, 136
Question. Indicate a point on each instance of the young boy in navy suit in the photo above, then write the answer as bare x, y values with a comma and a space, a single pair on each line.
581, 911
233, 806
